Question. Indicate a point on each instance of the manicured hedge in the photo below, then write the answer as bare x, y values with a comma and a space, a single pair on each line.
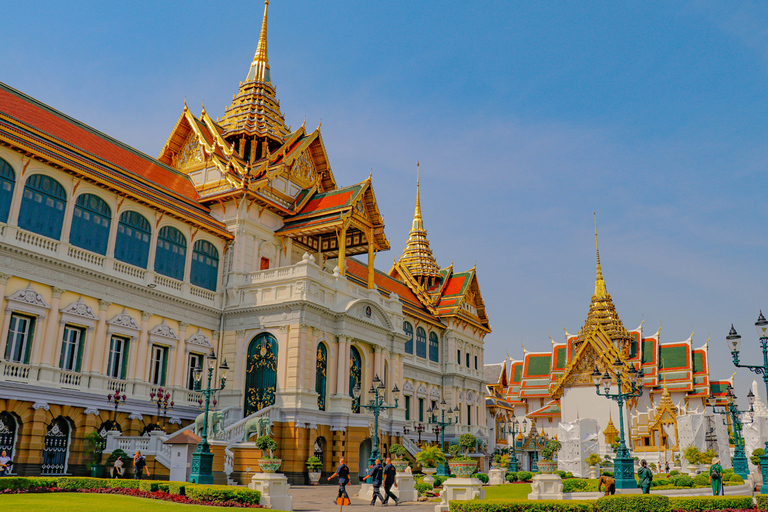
579, 485
633, 503
222, 493
521, 506
524, 476
16, 483
699, 503
762, 501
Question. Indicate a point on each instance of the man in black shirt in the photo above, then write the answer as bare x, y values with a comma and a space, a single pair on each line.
343, 473
376, 473
389, 481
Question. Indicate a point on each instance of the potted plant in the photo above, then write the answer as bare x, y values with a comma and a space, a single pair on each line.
462, 464
429, 458
400, 462
692, 455
504, 462
496, 461
93, 448
676, 463
547, 464
315, 469
705, 459
271, 463
594, 465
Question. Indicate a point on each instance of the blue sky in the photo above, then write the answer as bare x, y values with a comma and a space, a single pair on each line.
526, 117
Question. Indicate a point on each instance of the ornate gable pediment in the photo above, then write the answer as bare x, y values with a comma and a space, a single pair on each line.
29, 296
123, 322
80, 308
199, 340
302, 171
164, 330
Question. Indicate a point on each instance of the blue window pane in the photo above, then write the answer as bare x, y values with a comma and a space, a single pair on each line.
434, 347
90, 224
7, 183
205, 265
421, 343
408, 329
42, 207
171, 253
133, 236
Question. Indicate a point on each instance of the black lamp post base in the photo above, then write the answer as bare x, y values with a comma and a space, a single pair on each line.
202, 468
624, 473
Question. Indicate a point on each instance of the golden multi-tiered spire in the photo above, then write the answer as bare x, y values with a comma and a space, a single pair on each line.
417, 256
602, 312
253, 121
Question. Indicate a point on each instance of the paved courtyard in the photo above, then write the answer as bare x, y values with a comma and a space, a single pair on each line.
323, 498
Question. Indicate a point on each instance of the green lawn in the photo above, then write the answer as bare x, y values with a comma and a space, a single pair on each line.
508, 492
81, 502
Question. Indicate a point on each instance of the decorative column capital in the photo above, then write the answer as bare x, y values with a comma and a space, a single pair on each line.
90, 411
146, 315
41, 405
135, 416
56, 293
104, 304
215, 335
4, 278
240, 333
183, 326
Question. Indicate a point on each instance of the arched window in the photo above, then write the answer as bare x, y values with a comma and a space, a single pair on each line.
355, 376
171, 253
434, 347
42, 207
321, 374
90, 224
8, 427
421, 342
133, 236
205, 265
7, 183
260, 373
408, 330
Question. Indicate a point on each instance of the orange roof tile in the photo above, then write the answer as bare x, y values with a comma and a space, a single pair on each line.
454, 286
327, 201
383, 281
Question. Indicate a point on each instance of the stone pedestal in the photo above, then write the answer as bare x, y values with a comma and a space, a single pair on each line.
546, 487
405, 490
274, 490
460, 489
496, 476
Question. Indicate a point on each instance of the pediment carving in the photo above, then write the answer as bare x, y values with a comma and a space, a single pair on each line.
199, 339
81, 309
29, 296
164, 330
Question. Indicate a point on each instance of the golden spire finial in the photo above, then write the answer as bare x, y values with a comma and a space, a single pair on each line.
260, 66
417, 256
600, 290
417, 214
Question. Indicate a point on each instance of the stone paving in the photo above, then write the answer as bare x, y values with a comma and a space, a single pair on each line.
323, 498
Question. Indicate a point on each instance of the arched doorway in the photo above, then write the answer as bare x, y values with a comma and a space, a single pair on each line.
8, 429
56, 448
320, 448
355, 376
363, 453
261, 373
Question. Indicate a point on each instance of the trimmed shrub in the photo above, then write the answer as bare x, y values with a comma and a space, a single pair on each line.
559, 473
149, 486
701, 480
75, 483
608, 473
511, 477
439, 481
681, 481
524, 476
422, 487
521, 506
674, 472
736, 479
221, 493
482, 477
17, 483
633, 503
700, 503
579, 485
762, 501
176, 488
568, 475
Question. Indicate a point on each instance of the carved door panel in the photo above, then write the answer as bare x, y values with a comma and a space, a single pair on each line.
261, 373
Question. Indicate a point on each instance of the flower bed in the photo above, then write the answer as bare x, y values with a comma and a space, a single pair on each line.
179, 492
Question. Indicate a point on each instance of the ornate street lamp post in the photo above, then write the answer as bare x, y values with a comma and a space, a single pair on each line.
117, 400
442, 470
162, 399
514, 426
202, 459
734, 342
420, 428
624, 465
376, 404
740, 466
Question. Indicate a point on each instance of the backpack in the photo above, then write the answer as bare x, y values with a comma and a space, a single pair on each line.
714, 473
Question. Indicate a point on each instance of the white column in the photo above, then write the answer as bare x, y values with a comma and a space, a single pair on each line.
5, 319
18, 193
342, 362
153, 244
94, 351
333, 369
67, 226
188, 261
241, 360
46, 352
181, 352
113, 233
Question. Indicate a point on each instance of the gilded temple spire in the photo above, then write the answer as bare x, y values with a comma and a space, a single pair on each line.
600, 290
417, 255
260, 66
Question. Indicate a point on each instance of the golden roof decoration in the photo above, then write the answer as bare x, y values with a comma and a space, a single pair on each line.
254, 110
603, 313
417, 256
610, 429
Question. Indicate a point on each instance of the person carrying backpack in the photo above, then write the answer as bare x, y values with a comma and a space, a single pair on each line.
716, 477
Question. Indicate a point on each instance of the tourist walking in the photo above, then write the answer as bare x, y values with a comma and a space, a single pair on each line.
645, 476
117, 469
376, 473
343, 473
389, 481
139, 465
716, 477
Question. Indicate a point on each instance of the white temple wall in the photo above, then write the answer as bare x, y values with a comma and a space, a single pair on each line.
579, 439
584, 403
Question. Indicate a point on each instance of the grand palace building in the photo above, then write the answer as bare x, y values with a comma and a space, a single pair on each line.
120, 273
